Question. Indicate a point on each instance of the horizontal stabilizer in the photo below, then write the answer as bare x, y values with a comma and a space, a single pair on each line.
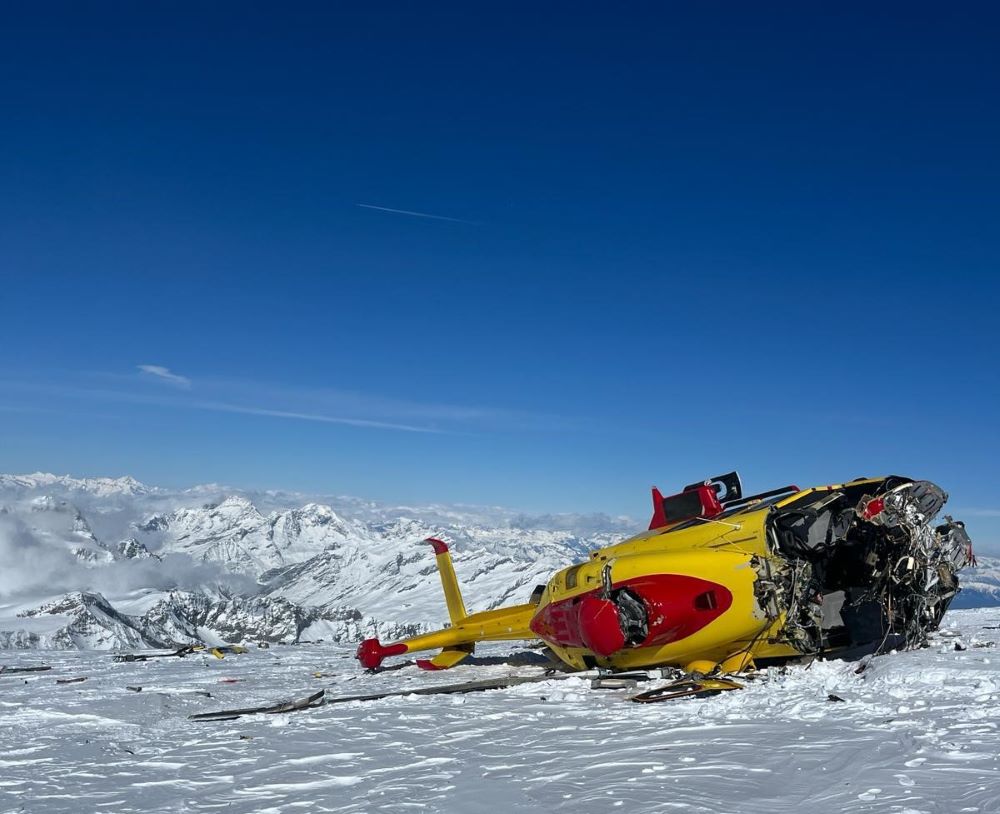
448, 657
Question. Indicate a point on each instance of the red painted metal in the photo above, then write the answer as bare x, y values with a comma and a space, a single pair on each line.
677, 606
427, 664
710, 505
873, 508
659, 518
371, 652
440, 546
600, 629
699, 501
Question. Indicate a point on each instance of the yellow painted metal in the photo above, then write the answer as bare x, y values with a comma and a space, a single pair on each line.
452, 593
832, 488
503, 624
732, 632
733, 551
737, 663
451, 656
724, 552
771, 648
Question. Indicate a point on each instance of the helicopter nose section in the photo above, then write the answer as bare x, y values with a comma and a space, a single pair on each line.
648, 611
600, 625
590, 621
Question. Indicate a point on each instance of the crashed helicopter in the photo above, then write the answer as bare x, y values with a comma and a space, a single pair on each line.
724, 583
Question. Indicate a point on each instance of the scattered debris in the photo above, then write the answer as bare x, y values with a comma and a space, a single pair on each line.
832, 697
219, 652
319, 699
671, 673
134, 689
316, 699
687, 688
179, 653
465, 687
70, 680
227, 650
960, 647
613, 683
9, 671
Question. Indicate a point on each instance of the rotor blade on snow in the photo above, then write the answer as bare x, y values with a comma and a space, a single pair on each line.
11, 671
180, 653
314, 700
465, 687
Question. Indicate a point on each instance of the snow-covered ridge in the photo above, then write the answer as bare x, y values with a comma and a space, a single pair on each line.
88, 621
99, 487
980, 585
268, 566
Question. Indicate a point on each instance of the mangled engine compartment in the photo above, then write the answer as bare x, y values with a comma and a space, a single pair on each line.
862, 568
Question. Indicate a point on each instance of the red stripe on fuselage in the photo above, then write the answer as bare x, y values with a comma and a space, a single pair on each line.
677, 606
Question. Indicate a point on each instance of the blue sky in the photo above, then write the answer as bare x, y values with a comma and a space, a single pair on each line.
667, 242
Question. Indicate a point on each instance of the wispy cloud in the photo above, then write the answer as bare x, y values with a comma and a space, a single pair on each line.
222, 407
166, 374
278, 401
415, 214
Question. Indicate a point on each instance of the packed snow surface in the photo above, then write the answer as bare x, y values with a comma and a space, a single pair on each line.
915, 732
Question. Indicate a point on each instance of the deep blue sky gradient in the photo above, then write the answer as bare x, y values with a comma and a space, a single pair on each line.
686, 239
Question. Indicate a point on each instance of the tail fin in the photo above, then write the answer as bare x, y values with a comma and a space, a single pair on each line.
449, 582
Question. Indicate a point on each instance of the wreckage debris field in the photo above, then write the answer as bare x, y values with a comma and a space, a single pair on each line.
915, 732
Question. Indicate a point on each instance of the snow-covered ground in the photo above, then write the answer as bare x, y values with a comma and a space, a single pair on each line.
917, 732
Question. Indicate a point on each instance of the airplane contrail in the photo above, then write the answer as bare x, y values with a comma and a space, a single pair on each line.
414, 214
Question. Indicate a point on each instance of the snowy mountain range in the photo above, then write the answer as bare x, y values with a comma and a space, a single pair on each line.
113, 563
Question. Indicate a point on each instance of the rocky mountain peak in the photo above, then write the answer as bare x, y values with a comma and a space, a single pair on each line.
133, 549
